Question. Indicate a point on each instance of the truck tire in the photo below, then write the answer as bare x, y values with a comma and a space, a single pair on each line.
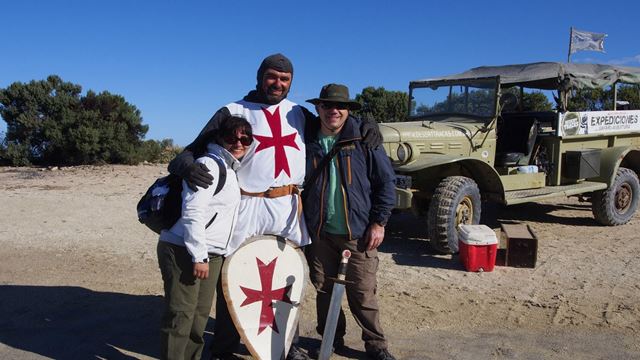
617, 204
456, 201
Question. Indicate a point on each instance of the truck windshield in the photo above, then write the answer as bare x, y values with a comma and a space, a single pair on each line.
477, 99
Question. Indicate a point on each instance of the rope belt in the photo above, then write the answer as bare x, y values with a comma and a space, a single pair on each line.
275, 192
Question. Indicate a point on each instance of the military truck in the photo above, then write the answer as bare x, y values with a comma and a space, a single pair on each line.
467, 141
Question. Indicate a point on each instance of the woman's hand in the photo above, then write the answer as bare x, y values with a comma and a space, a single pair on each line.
201, 270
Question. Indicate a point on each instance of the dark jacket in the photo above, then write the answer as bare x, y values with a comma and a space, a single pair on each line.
366, 176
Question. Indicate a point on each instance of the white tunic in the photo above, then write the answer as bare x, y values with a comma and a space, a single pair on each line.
276, 158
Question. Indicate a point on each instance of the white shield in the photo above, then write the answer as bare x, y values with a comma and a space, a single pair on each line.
263, 283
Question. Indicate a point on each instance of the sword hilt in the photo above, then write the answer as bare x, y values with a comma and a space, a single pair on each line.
342, 269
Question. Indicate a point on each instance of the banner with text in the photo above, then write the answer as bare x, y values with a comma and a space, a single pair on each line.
599, 122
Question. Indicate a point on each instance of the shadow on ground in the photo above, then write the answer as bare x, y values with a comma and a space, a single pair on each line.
543, 213
406, 239
66, 322
406, 234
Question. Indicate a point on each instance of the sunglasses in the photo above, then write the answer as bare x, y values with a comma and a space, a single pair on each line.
334, 105
232, 139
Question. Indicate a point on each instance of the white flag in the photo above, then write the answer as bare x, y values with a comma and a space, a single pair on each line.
584, 40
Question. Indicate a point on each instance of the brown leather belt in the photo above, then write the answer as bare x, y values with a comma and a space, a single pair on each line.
275, 192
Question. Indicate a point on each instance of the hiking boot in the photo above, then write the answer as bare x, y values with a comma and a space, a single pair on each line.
295, 353
380, 354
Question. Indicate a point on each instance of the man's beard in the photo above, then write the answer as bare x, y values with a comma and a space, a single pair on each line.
274, 99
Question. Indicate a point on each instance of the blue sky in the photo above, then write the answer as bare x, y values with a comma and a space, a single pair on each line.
179, 61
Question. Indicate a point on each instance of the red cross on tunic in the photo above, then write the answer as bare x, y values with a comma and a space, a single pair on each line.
266, 295
277, 141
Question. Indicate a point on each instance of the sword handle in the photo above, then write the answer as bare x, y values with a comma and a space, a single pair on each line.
342, 269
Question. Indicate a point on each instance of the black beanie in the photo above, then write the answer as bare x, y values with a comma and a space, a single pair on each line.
277, 62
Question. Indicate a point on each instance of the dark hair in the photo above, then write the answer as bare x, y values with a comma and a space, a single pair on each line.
229, 126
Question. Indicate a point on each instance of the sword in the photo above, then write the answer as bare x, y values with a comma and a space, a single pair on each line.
329, 332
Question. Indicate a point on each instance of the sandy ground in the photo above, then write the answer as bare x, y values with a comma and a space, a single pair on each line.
79, 280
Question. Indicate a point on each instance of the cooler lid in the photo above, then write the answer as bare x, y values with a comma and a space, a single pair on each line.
477, 235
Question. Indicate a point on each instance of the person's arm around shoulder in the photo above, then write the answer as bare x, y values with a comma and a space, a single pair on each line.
196, 213
184, 165
383, 197
370, 131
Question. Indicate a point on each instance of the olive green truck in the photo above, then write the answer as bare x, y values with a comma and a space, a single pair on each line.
467, 141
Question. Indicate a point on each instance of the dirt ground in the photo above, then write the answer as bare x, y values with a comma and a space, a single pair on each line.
79, 280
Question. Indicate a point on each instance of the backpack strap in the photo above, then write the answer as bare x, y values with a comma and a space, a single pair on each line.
222, 174
323, 163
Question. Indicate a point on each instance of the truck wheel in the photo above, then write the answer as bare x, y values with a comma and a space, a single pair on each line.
456, 201
617, 204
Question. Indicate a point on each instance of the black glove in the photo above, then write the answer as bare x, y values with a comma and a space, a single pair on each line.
371, 135
197, 174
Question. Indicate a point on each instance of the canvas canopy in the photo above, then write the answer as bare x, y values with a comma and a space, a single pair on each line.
549, 75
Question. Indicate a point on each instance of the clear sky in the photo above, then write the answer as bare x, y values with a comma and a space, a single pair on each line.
179, 61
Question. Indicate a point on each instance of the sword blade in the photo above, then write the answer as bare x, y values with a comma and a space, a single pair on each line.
329, 332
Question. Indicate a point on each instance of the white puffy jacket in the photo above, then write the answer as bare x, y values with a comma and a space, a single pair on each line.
208, 221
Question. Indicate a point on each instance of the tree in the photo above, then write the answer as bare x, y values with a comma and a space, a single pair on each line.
383, 105
630, 93
49, 122
602, 99
531, 101
159, 151
590, 100
536, 101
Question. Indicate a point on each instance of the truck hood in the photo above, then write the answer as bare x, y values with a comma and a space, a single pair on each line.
419, 131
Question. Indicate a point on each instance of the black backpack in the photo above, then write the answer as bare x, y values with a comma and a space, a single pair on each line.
161, 206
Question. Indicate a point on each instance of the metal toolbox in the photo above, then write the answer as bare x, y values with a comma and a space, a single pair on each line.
581, 164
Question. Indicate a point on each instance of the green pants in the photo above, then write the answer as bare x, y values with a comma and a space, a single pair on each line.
187, 302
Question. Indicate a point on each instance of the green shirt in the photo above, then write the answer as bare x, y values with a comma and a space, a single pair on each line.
335, 218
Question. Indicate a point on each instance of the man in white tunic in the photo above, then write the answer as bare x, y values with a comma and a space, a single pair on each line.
273, 168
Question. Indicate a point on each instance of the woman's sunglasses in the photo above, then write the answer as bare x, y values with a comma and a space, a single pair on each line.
244, 140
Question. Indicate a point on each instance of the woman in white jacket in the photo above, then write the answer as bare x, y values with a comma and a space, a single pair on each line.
190, 254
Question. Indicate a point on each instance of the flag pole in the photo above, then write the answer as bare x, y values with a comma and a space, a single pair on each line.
615, 95
570, 35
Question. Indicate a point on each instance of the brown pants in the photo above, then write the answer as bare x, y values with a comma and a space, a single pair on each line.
324, 257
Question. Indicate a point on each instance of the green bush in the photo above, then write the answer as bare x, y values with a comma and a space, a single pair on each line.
159, 151
383, 105
12, 153
50, 123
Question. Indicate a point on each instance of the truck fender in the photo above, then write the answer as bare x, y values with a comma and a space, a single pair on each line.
483, 174
612, 158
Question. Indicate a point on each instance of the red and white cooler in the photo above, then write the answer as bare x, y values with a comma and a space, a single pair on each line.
478, 247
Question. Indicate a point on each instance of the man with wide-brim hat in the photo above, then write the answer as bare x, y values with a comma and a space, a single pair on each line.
355, 193
333, 106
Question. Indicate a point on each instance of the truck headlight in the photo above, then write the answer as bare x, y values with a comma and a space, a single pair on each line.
403, 152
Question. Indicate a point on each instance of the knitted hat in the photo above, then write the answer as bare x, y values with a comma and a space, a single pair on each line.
277, 62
